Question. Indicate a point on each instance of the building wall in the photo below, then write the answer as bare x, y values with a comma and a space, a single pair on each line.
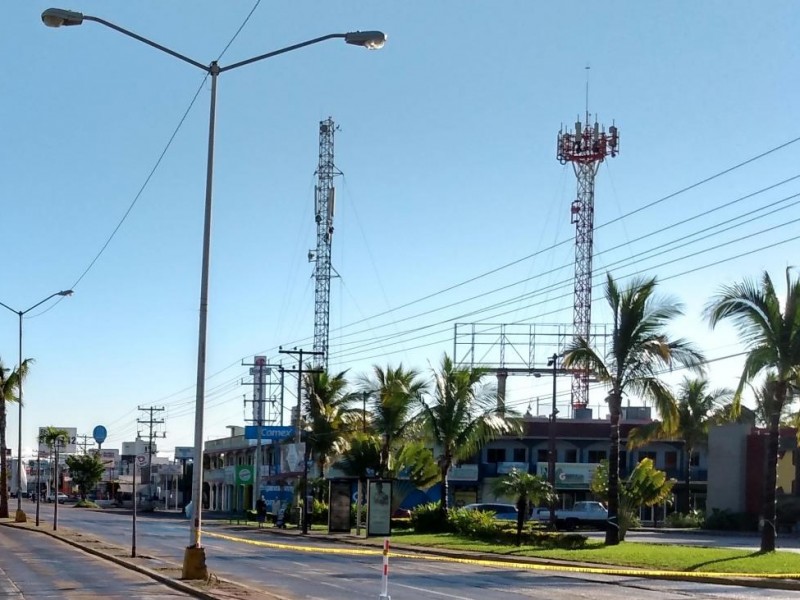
727, 460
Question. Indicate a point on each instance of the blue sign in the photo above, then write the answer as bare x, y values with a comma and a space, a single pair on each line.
269, 432
100, 433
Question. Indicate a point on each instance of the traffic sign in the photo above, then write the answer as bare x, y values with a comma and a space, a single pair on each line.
269, 432
100, 434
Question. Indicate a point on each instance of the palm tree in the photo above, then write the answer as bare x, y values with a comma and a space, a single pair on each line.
9, 384
697, 407
461, 417
393, 394
54, 437
772, 338
639, 349
328, 413
525, 488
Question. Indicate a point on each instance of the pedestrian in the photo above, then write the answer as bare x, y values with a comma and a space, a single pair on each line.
261, 511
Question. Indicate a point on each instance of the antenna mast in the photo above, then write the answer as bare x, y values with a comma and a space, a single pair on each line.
585, 147
324, 200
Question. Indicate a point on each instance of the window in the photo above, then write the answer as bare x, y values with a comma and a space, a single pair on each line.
541, 455
519, 455
571, 456
495, 455
595, 456
650, 455
695, 460
670, 460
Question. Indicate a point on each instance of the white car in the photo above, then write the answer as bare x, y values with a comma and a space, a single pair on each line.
61, 497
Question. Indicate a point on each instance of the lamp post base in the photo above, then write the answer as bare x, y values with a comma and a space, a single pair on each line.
194, 563
20, 517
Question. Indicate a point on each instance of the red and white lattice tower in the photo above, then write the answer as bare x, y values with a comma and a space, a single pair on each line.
585, 147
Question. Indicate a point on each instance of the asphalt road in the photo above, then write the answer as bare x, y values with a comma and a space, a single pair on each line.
304, 568
38, 566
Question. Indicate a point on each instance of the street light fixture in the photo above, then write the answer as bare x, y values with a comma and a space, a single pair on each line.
20, 516
194, 566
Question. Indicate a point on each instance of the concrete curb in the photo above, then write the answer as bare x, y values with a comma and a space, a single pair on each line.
176, 584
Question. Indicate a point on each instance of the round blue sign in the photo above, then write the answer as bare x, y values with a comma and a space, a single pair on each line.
99, 434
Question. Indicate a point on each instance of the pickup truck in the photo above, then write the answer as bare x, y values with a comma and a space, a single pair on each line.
582, 514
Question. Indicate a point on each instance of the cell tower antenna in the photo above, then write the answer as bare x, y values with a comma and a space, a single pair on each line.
324, 204
585, 147
587, 92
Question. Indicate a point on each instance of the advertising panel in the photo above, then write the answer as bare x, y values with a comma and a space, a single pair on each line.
570, 475
269, 432
184, 452
292, 457
339, 506
71, 446
379, 507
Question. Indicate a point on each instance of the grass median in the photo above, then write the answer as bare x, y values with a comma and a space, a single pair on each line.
661, 557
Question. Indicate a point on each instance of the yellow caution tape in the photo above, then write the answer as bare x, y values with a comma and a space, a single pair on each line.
505, 565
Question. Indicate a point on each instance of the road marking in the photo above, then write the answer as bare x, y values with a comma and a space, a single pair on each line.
616, 571
430, 591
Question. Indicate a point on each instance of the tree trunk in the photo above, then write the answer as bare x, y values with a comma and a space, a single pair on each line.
768, 532
687, 505
3, 463
612, 527
522, 511
445, 488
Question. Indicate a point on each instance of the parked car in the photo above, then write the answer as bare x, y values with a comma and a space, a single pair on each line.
506, 512
582, 514
61, 497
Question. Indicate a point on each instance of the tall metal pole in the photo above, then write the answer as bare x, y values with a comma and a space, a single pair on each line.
20, 516
551, 453
197, 468
38, 483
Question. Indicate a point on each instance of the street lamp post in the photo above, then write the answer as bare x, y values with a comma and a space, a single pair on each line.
551, 453
194, 566
20, 516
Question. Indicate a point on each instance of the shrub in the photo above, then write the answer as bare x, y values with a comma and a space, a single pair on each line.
787, 512
427, 518
474, 523
726, 520
679, 520
319, 511
400, 523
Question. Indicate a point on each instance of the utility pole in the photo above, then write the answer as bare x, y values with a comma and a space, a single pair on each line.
151, 422
83, 443
259, 370
585, 147
298, 434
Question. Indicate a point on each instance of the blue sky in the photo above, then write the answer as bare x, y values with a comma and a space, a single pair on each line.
447, 144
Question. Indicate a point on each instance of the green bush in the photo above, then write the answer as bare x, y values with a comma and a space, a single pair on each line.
726, 520
86, 504
473, 523
688, 520
427, 518
319, 511
787, 512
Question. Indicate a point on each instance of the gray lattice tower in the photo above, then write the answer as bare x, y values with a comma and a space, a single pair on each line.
585, 147
324, 201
